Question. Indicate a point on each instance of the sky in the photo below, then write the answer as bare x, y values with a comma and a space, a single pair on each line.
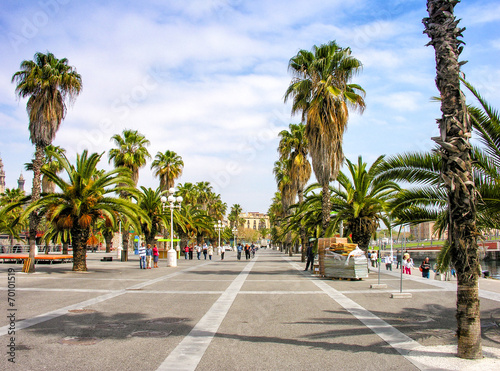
206, 79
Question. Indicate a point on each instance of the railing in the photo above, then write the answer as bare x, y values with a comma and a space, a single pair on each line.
25, 249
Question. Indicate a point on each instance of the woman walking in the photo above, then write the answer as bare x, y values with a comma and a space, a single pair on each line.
210, 251
156, 256
149, 254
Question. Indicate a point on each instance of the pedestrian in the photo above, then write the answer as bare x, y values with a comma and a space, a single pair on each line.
222, 251
191, 249
142, 256
425, 268
406, 256
408, 265
239, 249
398, 260
373, 258
252, 249
149, 254
210, 251
205, 250
156, 256
310, 256
388, 262
186, 252
198, 251
247, 252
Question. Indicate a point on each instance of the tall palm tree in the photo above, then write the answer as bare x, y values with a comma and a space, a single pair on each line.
48, 82
293, 146
51, 163
234, 216
84, 199
168, 167
203, 191
363, 201
131, 154
321, 91
456, 151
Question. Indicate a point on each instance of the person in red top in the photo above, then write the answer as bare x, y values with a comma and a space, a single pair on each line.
186, 252
156, 255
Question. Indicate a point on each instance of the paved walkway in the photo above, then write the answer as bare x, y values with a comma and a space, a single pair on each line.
261, 314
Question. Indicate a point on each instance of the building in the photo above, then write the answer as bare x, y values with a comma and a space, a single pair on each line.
424, 231
2, 177
255, 220
20, 182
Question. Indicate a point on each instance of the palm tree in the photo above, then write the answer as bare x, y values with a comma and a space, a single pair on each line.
149, 201
168, 167
322, 92
84, 199
456, 151
131, 154
362, 202
234, 216
294, 147
48, 82
51, 163
9, 216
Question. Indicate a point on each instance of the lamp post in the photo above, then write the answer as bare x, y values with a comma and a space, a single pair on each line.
218, 228
173, 202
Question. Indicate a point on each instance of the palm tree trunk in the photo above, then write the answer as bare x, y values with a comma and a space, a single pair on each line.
65, 248
125, 239
34, 218
303, 237
441, 27
108, 239
79, 239
326, 208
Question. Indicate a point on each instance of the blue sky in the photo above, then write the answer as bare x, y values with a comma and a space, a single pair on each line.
206, 78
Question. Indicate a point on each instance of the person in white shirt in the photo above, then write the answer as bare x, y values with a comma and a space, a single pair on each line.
222, 251
198, 251
388, 262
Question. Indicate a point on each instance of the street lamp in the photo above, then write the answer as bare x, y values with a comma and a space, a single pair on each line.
173, 202
218, 228
235, 234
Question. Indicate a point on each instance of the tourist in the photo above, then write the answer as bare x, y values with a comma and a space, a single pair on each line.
198, 251
222, 251
186, 252
149, 254
310, 256
205, 250
388, 262
425, 268
191, 250
373, 258
210, 251
156, 256
253, 249
247, 252
239, 249
408, 264
398, 260
142, 256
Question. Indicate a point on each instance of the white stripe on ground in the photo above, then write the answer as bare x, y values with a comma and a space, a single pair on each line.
400, 342
62, 311
187, 355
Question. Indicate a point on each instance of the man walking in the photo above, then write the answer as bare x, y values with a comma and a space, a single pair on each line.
142, 256
240, 249
310, 256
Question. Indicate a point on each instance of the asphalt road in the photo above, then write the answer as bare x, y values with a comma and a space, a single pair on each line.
261, 314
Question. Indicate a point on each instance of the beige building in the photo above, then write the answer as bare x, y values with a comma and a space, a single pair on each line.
424, 231
256, 221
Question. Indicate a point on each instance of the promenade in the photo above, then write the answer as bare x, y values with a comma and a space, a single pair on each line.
261, 314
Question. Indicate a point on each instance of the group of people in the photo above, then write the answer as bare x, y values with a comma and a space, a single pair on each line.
206, 250
249, 251
148, 254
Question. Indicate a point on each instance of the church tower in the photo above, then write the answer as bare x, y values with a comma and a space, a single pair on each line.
2, 178
20, 182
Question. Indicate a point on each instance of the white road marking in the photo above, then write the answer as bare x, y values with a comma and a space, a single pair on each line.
187, 355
